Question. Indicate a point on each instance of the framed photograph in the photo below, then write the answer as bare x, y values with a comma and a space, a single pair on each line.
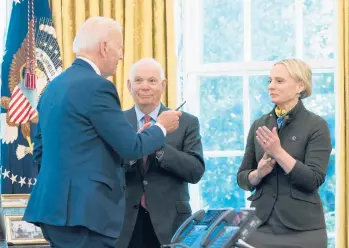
14, 200
21, 232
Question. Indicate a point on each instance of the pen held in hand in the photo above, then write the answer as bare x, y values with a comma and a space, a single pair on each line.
180, 106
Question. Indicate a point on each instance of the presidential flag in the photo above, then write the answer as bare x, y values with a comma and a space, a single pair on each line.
31, 60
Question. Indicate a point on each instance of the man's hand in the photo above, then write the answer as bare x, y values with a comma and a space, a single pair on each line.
145, 126
169, 120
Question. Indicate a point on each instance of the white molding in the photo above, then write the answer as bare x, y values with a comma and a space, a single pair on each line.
190, 83
338, 123
187, 8
332, 235
192, 94
191, 36
246, 108
247, 124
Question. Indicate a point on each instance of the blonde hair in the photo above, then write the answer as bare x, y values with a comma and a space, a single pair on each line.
301, 72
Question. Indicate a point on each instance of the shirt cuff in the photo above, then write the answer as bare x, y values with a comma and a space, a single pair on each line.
161, 156
162, 128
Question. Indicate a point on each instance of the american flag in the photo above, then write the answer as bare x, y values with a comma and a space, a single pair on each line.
20, 110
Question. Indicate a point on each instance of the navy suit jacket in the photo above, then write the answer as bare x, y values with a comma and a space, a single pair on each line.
81, 135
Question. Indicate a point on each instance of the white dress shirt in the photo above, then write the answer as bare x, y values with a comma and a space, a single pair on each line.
140, 115
94, 66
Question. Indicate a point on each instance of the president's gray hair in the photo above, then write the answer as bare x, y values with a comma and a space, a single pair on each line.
147, 60
92, 32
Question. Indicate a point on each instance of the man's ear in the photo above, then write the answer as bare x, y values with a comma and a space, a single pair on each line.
129, 85
164, 84
103, 48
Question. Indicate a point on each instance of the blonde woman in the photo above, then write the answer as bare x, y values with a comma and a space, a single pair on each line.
285, 162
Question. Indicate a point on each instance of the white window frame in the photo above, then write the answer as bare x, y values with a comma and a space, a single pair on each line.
193, 67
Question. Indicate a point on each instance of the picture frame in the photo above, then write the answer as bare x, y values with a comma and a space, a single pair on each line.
20, 232
14, 200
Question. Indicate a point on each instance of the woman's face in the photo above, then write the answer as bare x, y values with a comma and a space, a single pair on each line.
282, 88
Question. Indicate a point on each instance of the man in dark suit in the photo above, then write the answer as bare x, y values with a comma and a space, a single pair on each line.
157, 196
78, 199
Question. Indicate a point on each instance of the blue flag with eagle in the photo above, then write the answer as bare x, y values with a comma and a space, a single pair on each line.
31, 60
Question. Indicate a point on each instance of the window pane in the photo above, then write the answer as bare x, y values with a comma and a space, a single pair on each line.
331, 243
319, 28
273, 29
223, 31
322, 100
218, 187
327, 193
221, 115
260, 103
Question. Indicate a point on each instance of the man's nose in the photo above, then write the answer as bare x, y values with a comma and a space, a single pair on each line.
145, 85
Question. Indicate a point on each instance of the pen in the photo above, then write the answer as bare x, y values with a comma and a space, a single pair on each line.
180, 106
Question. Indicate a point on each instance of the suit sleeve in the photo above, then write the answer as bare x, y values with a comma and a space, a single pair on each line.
310, 175
188, 164
37, 152
110, 123
249, 162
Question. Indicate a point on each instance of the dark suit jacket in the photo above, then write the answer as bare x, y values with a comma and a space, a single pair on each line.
81, 135
294, 196
167, 194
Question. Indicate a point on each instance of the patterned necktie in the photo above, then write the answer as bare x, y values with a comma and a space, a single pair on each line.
146, 119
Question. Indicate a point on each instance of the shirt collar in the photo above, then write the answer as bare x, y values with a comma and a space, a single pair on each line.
153, 115
94, 66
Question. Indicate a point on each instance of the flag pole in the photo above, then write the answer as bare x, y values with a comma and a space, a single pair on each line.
30, 75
